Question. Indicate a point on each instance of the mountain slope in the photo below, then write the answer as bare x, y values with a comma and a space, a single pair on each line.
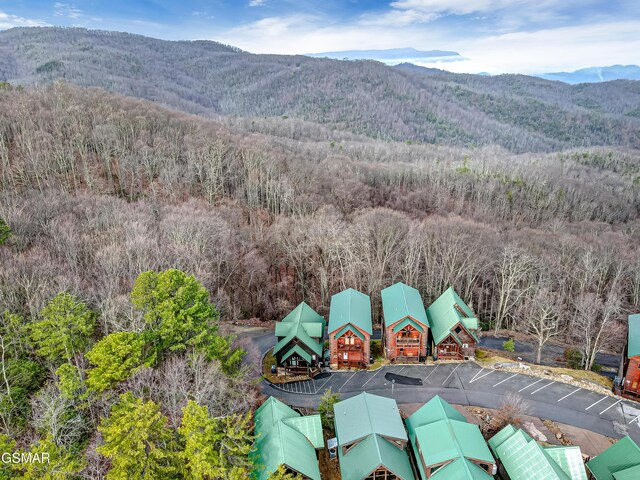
517, 112
596, 74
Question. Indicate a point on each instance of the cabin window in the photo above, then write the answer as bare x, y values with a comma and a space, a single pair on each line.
345, 356
465, 345
349, 340
294, 362
458, 329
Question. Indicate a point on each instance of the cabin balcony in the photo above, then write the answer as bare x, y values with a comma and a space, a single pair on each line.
407, 342
349, 348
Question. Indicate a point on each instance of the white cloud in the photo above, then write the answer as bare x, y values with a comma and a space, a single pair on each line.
256, 3
543, 50
459, 7
66, 10
9, 21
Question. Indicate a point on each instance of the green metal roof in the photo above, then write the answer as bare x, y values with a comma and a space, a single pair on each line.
523, 458
632, 473
570, 461
284, 439
310, 426
371, 453
299, 350
461, 469
350, 306
621, 456
302, 323
633, 347
457, 441
371, 420
366, 414
400, 301
350, 328
408, 321
443, 316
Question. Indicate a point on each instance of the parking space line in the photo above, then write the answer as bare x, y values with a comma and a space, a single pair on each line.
329, 378
568, 395
595, 403
509, 378
477, 373
482, 376
377, 372
307, 385
452, 372
347, 381
610, 407
531, 385
430, 373
543, 387
634, 420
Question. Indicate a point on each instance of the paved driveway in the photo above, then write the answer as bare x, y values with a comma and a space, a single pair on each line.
469, 384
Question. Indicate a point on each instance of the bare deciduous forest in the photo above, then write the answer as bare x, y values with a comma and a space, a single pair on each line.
536, 226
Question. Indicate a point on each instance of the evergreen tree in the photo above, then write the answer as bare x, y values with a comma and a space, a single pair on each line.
138, 441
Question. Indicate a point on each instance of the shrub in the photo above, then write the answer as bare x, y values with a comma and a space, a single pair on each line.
573, 358
509, 345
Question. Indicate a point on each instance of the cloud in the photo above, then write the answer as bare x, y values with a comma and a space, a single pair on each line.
256, 3
9, 21
458, 7
66, 10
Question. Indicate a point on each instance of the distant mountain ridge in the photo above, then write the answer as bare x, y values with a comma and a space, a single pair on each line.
391, 55
403, 103
596, 74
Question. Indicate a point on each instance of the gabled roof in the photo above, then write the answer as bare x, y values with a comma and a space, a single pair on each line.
633, 347
407, 321
284, 437
372, 421
523, 458
349, 328
443, 316
350, 306
400, 301
366, 414
619, 457
297, 349
457, 441
302, 323
371, 453
632, 473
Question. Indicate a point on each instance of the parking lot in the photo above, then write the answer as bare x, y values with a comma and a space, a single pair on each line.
469, 384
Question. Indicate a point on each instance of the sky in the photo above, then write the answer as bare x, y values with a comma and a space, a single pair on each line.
493, 36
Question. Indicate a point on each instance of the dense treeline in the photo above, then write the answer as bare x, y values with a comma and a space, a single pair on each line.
265, 221
103, 196
517, 112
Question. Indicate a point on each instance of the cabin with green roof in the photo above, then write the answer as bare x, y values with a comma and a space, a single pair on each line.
631, 382
350, 329
522, 458
300, 344
371, 438
621, 461
445, 446
284, 437
453, 327
406, 328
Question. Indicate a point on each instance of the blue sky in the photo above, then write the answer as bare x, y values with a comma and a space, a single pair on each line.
494, 36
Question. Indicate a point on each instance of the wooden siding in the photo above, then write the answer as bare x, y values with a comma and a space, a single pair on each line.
349, 351
407, 344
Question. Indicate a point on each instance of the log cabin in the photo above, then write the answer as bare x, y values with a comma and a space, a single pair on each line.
349, 329
372, 441
445, 446
453, 327
285, 438
406, 328
300, 345
631, 381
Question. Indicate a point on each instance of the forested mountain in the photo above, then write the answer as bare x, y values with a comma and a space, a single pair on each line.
403, 103
119, 364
